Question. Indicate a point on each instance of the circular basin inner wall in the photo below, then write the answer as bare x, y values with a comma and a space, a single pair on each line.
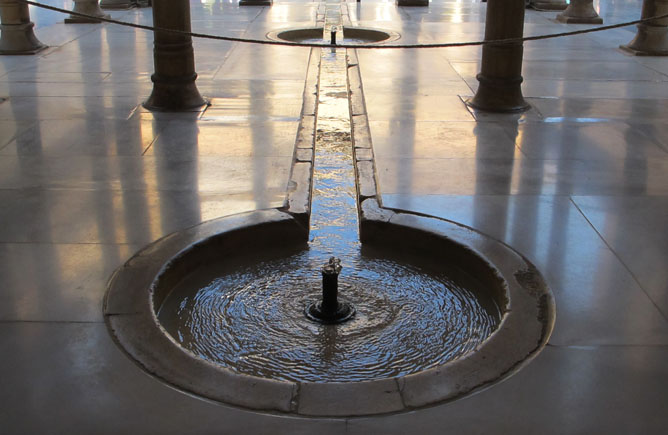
244, 311
227, 247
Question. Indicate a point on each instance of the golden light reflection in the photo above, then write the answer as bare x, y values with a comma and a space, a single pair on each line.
279, 14
148, 135
382, 12
457, 12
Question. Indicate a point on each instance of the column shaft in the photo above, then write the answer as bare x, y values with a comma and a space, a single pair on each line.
500, 77
174, 86
652, 37
16, 30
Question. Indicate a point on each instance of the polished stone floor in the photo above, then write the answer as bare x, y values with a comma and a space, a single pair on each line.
578, 184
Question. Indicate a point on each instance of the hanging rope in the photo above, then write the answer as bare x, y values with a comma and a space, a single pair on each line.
359, 46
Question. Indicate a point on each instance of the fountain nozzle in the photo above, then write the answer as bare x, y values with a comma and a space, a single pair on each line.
330, 285
330, 310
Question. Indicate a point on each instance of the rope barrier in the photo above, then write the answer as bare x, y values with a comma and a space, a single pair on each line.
357, 46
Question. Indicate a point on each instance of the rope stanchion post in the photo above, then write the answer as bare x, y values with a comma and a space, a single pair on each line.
580, 12
652, 36
16, 29
174, 86
500, 77
86, 7
548, 5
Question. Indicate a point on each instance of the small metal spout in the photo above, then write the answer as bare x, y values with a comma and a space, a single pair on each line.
330, 285
329, 310
332, 40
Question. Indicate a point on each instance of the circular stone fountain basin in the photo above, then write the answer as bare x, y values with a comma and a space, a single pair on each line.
247, 314
352, 35
217, 310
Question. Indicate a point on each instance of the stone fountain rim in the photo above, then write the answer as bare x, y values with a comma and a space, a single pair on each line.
522, 333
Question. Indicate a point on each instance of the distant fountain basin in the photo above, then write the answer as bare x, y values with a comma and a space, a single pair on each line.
351, 35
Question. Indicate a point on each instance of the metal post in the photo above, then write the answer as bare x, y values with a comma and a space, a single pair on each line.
330, 287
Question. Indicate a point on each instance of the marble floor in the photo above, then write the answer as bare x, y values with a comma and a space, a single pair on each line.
578, 184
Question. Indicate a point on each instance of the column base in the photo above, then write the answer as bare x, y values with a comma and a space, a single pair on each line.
412, 2
499, 95
649, 41
580, 13
117, 4
19, 39
547, 5
255, 2
174, 97
89, 8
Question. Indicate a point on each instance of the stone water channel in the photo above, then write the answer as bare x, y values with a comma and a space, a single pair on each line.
248, 314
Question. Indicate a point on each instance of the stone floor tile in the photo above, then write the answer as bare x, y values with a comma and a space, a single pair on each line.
635, 229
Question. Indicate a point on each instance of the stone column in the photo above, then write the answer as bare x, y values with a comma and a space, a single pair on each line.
88, 7
16, 29
117, 4
548, 5
174, 86
652, 37
500, 77
255, 2
412, 2
580, 12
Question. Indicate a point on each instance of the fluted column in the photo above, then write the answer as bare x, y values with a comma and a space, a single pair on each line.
174, 86
16, 29
652, 37
580, 12
88, 7
548, 5
500, 77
